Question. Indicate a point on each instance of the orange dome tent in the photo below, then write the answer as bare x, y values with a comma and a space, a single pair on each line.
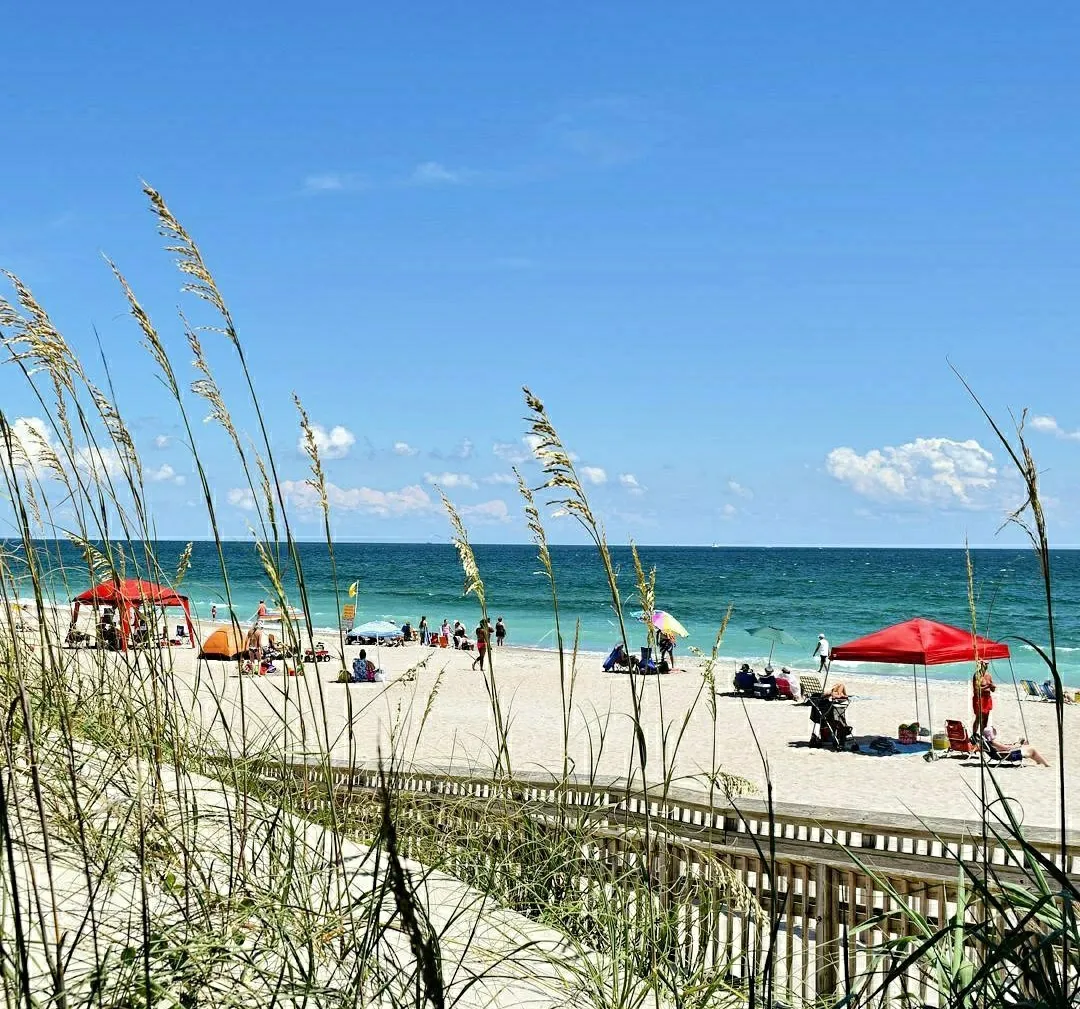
224, 643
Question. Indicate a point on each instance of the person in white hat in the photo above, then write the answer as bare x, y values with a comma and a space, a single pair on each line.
821, 649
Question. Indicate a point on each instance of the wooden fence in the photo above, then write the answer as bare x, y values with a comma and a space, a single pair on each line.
824, 913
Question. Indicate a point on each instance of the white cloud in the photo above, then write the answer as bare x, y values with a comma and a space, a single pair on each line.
332, 444
161, 441
451, 480
729, 510
165, 474
505, 478
511, 452
465, 449
404, 448
32, 446
630, 482
334, 182
928, 471
362, 499
242, 498
488, 511
593, 474
432, 173
1048, 425
739, 490
99, 462
35, 452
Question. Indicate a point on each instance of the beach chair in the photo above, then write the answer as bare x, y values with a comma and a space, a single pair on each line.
808, 686
959, 741
1049, 694
1013, 758
1031, 690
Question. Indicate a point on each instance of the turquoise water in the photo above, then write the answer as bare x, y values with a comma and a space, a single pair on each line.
842, 592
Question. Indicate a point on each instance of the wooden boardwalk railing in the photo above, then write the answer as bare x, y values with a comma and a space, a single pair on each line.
801, 865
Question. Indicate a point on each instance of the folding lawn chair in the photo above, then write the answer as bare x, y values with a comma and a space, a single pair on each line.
1031, 689
1049, 694
808, 686
960, 742
1014, 758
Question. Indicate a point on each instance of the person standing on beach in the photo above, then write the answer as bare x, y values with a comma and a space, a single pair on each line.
667, 648
481, 646
982, 697
500, 631
423, 630
260, 613
822, 649
213, 612
444, 631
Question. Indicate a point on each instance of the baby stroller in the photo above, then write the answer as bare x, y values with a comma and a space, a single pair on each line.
828, 718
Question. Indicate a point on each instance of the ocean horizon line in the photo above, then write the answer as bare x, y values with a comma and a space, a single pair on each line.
586, 545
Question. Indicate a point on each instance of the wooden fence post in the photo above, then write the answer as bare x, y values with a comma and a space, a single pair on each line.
827, 932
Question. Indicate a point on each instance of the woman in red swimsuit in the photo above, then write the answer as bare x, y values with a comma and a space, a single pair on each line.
982, 697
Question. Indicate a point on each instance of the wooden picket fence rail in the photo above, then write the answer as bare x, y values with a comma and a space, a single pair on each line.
818, 910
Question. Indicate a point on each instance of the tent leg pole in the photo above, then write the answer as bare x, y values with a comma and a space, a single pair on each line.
929, 712
915, 677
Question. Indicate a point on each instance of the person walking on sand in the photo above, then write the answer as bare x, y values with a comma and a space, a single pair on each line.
481, 646
821, 649
500, 631
982, 696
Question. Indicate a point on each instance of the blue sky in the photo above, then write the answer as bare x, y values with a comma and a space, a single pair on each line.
732, 249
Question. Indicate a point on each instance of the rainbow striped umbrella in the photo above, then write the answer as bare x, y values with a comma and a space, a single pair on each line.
665, 622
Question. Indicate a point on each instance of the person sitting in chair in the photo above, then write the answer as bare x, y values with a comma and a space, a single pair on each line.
1022, 745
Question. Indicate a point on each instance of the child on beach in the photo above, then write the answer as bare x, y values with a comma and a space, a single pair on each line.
982, 696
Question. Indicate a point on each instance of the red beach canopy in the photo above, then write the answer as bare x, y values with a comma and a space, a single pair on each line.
132, 592
921, 642
128, 595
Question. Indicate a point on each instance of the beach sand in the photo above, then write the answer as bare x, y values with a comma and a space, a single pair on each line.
458, 728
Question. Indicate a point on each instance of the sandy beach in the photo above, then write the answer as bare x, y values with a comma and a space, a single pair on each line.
363, 719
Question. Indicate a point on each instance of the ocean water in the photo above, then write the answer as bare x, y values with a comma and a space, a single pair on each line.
844, 593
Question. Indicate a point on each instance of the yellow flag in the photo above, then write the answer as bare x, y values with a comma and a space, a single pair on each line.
352, 590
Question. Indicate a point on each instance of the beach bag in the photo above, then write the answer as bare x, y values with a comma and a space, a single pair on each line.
378, 676
908, 733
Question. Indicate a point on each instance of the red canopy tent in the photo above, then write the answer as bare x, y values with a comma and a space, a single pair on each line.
127, 596
920, 642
